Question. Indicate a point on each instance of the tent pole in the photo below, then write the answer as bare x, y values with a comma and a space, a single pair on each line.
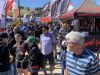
5, 18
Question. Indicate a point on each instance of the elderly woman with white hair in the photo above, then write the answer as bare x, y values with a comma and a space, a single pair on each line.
79, 60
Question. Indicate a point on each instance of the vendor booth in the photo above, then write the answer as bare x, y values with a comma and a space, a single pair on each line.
87, 15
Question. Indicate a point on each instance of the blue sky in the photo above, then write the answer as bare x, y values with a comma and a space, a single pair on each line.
33, 3
40, 3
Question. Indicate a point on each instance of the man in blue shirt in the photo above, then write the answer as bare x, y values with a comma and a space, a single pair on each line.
46, 42
79, 60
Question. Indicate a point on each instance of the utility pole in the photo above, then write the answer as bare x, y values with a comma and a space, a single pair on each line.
19, 10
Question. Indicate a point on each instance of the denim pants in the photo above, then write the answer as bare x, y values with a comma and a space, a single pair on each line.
63, 66
63, 61
13, 69
6, 73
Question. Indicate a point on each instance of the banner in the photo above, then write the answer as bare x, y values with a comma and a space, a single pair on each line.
45, 9
64, 6
92, 42
59, 7
2, 6
8, 6
54, 8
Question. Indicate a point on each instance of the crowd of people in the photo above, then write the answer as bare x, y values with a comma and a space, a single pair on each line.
26, 48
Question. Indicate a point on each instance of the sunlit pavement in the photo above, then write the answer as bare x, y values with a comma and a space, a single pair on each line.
57, 70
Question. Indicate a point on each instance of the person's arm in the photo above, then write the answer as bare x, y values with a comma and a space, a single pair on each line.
40, 43
66, 71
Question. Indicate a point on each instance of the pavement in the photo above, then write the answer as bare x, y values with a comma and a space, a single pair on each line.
57, 70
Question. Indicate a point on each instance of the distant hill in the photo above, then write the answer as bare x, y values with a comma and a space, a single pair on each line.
23, 11
28, 11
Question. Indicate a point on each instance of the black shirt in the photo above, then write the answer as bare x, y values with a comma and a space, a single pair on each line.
4, 58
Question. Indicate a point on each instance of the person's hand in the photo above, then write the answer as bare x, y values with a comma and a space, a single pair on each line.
26, 53
66, 71
15, 45
21, 53
11, 58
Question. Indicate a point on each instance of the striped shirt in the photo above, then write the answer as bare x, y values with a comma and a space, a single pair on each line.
85, 64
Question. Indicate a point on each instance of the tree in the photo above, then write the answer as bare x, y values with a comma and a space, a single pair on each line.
38, 11
21, 7
28, 9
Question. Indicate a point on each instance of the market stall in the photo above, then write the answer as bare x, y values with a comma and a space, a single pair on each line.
88, 16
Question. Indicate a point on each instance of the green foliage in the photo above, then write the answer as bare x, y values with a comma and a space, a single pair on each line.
28, 9
21, 7
38, 11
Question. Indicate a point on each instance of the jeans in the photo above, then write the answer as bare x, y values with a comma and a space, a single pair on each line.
63, 61
63, 66
13, 69
6, 73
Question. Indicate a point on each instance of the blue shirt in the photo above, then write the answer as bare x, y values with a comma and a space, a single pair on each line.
46, 43
85, 64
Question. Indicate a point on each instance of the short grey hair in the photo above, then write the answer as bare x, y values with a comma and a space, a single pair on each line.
75, 37
19, 35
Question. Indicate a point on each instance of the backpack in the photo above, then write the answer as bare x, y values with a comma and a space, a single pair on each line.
35, 56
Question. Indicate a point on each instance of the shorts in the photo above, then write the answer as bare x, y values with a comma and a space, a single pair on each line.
21, 65
6, 73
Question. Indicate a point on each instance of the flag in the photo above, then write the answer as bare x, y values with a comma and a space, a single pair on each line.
2, 6
25, 15
64, 6
58, 10
45, 9
15, 10
8, 6
54, 7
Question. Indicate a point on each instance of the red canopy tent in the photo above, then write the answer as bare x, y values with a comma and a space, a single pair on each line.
45, 19
86, 9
